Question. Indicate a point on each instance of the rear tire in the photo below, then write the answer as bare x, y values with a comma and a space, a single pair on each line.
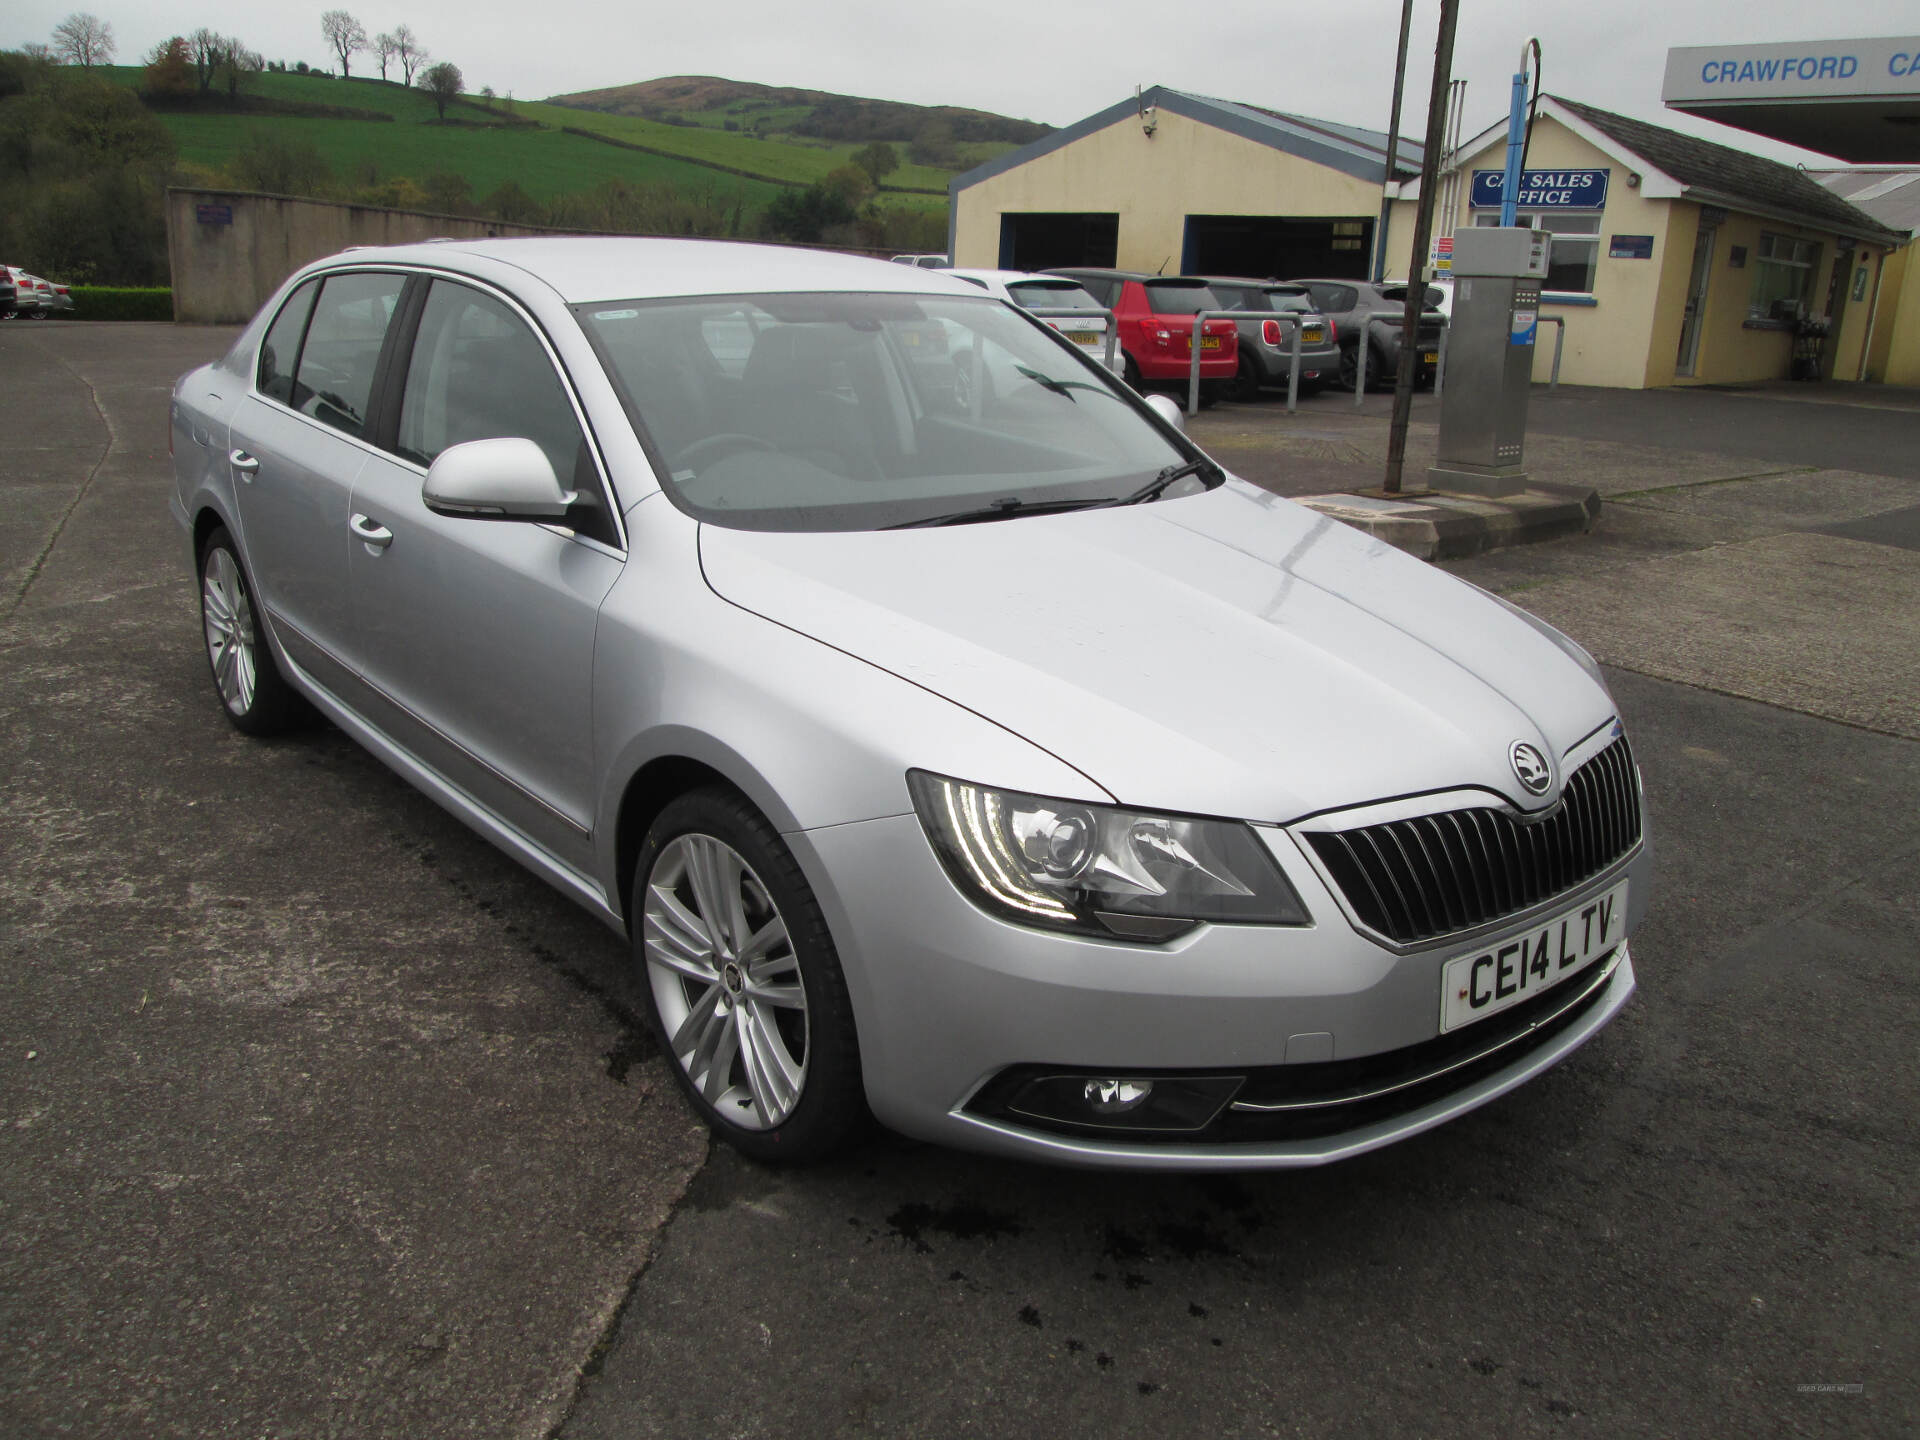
744, 988
1244, 387
1130, 372
256, 698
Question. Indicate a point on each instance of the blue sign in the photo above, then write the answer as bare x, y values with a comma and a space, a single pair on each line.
1630, 247
213, 214
1542, 189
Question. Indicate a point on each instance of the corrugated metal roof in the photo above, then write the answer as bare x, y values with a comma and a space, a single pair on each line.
1890, 196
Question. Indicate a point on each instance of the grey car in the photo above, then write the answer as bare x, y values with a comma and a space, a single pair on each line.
993, 764
1266, 346
1354, 304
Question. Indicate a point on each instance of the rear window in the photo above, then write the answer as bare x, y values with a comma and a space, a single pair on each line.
1294, 299
1051, 295
1174, 297
1398, 294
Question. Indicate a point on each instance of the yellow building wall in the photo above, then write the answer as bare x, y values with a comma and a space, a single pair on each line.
1630, 336
1186, 168
1895, 358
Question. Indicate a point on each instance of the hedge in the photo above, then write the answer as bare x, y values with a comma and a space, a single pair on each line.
118, 302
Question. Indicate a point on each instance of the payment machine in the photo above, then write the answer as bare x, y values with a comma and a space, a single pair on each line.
1497, 272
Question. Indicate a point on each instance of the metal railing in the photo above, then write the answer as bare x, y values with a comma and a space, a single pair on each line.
1290, 318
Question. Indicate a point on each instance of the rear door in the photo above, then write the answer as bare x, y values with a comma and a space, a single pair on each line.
477, 635
298, 441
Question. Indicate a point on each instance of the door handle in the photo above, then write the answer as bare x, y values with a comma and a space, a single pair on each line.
244, 463
371, 532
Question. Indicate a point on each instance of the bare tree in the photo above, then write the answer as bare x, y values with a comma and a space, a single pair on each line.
238, 66
206, 49
410, 52
345, 34
84, 40
444, 83
385, 47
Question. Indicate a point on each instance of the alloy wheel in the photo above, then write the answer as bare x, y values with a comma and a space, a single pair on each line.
726, 982
231, 636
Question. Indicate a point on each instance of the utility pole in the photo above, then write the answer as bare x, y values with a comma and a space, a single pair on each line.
1422, 233
1393, 144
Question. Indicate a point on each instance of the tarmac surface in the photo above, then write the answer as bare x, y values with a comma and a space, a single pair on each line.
318, 1117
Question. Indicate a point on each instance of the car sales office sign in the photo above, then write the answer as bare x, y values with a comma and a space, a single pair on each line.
1542, 189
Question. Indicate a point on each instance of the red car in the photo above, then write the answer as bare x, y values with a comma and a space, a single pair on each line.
1156, 319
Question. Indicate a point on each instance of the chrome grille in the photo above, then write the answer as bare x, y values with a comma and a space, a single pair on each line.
1433, 875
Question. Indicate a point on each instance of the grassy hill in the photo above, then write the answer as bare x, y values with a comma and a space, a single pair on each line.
363, 126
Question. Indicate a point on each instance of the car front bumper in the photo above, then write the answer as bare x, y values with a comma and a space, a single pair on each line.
954, 1004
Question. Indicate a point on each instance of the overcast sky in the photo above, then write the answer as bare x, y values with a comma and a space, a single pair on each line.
1054, 61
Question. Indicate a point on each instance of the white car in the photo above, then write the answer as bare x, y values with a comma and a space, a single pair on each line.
1052, 292
33, 297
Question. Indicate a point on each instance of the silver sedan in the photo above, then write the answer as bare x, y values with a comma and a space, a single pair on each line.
979, 757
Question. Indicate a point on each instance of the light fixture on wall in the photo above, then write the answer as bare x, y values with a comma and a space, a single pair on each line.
1149, 114
1633, 179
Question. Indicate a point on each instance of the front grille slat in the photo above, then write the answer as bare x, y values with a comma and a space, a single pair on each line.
1433, 875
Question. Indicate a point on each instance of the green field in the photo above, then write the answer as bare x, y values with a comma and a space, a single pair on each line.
542, 159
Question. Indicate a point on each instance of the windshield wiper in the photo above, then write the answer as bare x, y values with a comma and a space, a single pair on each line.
1058, 387
1151, 490
1005, 509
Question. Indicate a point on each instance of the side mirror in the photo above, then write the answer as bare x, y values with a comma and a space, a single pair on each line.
504, 479
1168, 409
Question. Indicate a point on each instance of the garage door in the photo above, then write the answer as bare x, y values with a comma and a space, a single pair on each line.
1038, 241
1277, 245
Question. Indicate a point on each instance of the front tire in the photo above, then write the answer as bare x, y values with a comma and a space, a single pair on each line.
744, 987
256, 697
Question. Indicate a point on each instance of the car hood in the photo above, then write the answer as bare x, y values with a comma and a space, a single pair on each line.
1228, 653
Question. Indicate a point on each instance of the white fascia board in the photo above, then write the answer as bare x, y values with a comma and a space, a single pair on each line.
1655, 183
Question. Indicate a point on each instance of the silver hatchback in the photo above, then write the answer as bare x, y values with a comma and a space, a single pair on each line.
983, 758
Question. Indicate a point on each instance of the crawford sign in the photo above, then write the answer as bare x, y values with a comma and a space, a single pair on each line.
1543, 189
1793, 71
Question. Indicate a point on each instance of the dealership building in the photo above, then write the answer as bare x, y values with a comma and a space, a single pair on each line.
1674, 260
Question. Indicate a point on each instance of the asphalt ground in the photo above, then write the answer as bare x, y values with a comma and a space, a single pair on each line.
318, 1117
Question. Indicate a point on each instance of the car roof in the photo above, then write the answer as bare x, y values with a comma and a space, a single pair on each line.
589, 268
1012, 277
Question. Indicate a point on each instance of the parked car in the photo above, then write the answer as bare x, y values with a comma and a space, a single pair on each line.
7, 292
1051, 292
1156, 318
923, 262
1350, 304
1025, 778
1266, 346
30, 301
61, 298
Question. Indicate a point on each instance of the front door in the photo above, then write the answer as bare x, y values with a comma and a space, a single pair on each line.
1696, 310
477, 635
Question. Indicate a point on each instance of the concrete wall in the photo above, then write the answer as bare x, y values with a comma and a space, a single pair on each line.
1896, 333
1186, 168
224, 272
1628, 336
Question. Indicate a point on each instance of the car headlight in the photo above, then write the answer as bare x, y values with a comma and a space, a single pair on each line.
1098, 869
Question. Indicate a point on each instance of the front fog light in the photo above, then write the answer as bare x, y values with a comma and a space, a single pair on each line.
1115, 1097
1099, 869
1104, 1102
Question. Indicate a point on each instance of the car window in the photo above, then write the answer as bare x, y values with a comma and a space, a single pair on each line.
349, 325
479, 372
1174, 297
857, 411
1106, 291
280, 351
1051, 295
1334, 299
1292, 298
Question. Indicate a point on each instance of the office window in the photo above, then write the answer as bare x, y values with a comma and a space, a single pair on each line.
1576, 247
1783, 270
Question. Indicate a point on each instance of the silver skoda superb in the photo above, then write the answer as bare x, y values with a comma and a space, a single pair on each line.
956, 742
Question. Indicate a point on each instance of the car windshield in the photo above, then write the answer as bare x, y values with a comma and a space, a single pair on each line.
1051, 295
1180, 297
858, 411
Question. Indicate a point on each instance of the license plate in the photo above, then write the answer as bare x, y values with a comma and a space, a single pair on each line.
1501, 974
1209, 342
1313, 335
1432, 357
1086, 337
